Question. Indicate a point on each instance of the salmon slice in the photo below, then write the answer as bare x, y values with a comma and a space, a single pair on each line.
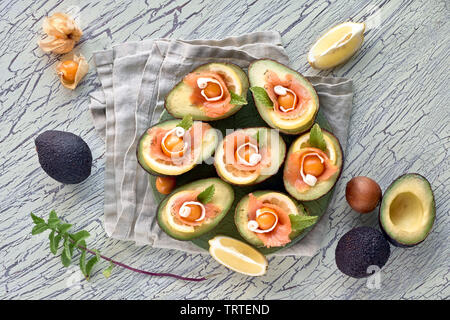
233, 141
280, 235
212, 109
303, 95
194, 141
293, 165
211, 210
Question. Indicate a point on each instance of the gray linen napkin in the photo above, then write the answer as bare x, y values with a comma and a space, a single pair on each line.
135, 79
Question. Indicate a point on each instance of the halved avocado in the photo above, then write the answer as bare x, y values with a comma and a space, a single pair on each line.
268, 138
155, 167
408, 210
256, 73
223, 198
241, 213
178, 100
334, 153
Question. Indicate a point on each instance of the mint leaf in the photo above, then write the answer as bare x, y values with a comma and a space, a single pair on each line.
67, 250
36, 219
237, 99
90, 264
53, 247
186, 122
300, 222
53, 222
39, 228
65, 260
64, 227
316, 139
53, 215
56, 241
80, 235
261, 96
107, 271
206, 195
53, 219
66, 257
83, 258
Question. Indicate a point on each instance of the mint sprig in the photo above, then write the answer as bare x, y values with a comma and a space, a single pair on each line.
261, 96
300, 222
237, 99
71, 241
186, 122
206, 195
316, 139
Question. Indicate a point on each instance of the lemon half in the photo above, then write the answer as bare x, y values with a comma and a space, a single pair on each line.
337, 45
238, 256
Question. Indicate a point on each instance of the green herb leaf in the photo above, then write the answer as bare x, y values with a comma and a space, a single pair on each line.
206, 195
53, 215
36, 219
64, 227
79, 236
52, 223
316, 139
39, 228
107, 271
56, 241
300, 222
261, 96
67, 250
53, 220
66, 257
304, 145
186, 122
257, 137
90, 264
51, 237
65, 260
83, 258
237, 99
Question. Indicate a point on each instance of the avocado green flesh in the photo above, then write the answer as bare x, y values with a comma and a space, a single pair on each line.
322, 187
275, 143
241, 217
209, 144
407, 211
178, 100
257, 72
223, 198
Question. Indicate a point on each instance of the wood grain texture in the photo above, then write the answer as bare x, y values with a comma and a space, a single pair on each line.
400, 123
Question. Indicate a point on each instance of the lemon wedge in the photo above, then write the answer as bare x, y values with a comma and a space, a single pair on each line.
337, 45
238, 256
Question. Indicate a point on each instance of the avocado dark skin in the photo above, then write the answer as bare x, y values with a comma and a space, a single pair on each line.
64, 156
360, 248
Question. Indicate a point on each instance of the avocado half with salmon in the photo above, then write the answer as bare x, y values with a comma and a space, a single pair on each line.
275, 218
310, 172
176, 224
154, 158
407, 210
212, 91
284, 98
249, 156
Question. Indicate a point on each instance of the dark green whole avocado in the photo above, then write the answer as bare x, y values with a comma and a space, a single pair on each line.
359, 249
64, 156
407, 210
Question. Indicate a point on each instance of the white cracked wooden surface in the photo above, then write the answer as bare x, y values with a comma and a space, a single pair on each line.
400, 124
